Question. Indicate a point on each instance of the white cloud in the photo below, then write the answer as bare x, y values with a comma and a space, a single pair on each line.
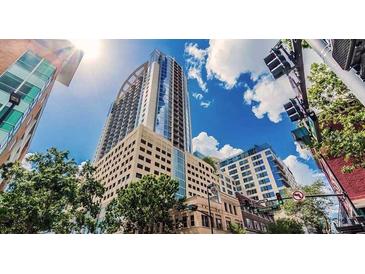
197, 96
205, 104
303, 174
195, 61
304, 153
25, 163
228, 59
208, 146
268, 97
196, 53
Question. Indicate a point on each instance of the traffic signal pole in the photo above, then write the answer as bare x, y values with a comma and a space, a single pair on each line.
353, 82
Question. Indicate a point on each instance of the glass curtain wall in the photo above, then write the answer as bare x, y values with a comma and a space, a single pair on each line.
28, 77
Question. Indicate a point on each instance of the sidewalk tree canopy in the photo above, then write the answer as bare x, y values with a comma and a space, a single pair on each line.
143, 206
55, 195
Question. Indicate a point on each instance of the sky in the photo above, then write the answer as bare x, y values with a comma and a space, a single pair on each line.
235, 103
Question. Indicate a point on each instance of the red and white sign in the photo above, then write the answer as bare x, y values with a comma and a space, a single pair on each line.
298, 196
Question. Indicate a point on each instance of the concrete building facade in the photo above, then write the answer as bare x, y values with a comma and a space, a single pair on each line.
28, 71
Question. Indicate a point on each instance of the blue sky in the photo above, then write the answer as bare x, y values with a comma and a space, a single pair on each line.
74, 116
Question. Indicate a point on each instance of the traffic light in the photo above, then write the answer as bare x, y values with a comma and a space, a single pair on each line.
14, 98
277, 63
293, 110
193, 207
279, 198
350, 54
302, 136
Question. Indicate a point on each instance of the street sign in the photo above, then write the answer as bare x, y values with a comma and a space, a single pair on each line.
298, 196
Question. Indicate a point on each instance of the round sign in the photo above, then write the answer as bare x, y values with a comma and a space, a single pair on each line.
298, 195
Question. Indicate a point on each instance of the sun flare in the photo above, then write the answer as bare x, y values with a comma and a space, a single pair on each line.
91, 48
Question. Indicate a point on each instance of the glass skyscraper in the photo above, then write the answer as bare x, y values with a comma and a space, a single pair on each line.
154, 95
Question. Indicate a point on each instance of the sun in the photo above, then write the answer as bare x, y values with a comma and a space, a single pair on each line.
90, 47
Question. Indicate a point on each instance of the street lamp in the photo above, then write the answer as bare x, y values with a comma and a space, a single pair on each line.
210, 213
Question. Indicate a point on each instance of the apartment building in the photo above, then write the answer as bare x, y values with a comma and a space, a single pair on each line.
154, 95
258, 173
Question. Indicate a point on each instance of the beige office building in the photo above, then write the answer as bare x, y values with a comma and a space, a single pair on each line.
144, 152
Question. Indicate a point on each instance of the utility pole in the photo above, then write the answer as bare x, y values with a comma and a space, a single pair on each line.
353, 82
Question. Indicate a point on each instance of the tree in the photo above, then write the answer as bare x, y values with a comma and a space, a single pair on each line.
341, 118
285, 226
211, 162
54, 196
143, 207
312, 212
236, 229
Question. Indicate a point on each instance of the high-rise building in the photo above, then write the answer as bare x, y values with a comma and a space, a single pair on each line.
28, 70
154, 95
148, 131
258, 173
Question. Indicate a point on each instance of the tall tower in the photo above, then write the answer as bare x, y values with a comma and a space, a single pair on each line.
154, 95
28, 70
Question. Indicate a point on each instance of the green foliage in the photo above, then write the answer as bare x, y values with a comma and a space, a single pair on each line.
285, 226
143, 207
288, 44
236, 229
55, 196
211, 162
311, 212
341, 118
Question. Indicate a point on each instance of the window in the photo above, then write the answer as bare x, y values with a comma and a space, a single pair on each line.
260, 168
263, 174
192, 221
235, 177
248, 179
225, 207
234, 171
243, 162
264, 181
185, 221
218, 223
230, 208
257, 163
139, 166
268, 195
246, 173
265, 188
139, 176
256, 157
251, 192
250, 185
268, 152
205, 220
234, 209
231, 166
245, 167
